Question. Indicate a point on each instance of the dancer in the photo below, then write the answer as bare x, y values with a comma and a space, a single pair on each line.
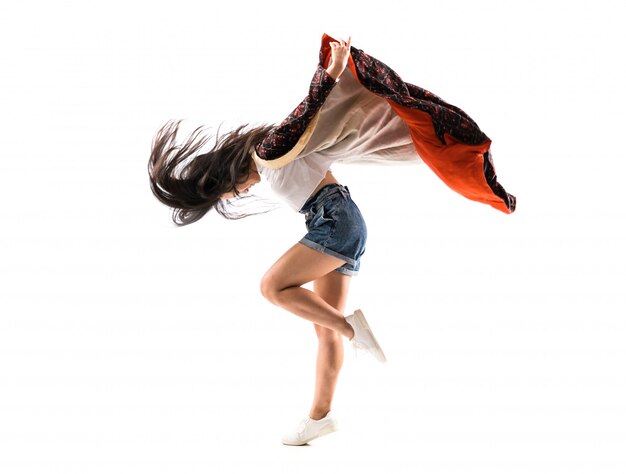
367, 114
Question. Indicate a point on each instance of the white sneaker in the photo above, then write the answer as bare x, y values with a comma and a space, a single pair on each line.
308, 429
363, 338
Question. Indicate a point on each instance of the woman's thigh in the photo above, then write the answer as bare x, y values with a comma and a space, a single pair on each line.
299, 265
332, 288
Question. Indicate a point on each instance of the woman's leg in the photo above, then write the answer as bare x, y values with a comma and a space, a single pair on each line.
332, 288
300, 265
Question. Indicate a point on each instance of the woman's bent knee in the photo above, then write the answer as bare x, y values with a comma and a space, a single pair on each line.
269, 288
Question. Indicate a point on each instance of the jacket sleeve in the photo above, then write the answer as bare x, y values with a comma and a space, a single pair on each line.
284, 136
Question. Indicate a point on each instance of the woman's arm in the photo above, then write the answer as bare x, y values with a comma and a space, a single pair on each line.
283, 137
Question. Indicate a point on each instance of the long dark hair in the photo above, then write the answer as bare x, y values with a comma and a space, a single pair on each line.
191, 182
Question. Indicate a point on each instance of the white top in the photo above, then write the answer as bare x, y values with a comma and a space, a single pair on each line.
355, 126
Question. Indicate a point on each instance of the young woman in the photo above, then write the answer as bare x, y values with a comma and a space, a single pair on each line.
371, 116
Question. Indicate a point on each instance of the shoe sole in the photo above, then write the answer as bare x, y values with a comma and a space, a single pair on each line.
361, 317
323, 432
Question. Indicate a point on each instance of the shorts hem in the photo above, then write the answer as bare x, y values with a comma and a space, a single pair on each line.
332, 253
346, 271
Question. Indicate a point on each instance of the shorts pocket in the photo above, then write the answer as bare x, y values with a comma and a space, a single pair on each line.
322, 223
321, 217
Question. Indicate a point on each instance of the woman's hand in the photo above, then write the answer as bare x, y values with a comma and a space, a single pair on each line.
339, 58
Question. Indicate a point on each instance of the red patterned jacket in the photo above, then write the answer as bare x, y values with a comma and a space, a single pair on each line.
443, 135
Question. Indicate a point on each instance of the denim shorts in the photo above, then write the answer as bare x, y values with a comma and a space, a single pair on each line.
335, 226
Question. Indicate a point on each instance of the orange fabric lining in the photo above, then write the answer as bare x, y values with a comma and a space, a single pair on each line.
459, 165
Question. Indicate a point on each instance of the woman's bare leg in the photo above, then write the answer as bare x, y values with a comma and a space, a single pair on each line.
332, 288
300, 265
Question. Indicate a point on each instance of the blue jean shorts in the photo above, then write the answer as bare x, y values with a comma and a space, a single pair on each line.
335, 226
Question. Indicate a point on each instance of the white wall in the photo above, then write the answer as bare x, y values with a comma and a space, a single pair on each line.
130, 345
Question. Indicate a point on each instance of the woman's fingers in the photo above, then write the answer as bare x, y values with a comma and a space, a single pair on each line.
342, 43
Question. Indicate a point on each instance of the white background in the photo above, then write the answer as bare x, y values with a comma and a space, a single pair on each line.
129, 345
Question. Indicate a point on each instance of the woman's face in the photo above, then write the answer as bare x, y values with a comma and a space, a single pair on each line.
243, 188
